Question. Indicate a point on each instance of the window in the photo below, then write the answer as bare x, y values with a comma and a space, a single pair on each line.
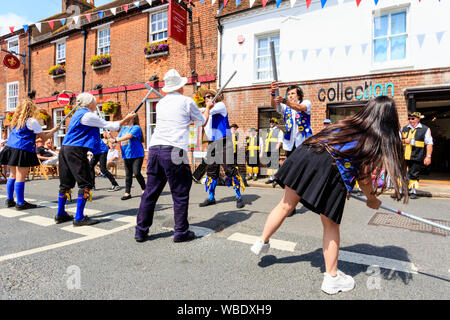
158, 26
103, 41
58, 115
60, 52
339, 111
150, 119
262, 58
13, 45
389, 37
12, 95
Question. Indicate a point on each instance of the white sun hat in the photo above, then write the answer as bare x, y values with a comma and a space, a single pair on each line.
173, 81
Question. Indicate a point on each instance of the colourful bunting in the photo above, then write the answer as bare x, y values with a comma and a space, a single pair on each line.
125, 7
25, 28
323, 3
292, 3
51, 24
38, 26
376, 2
75, 19
136, 4
237, 3
11, 29
149, 2
225, 3
264, 2
308, 3
113, 11
251, 3
358, 2
63, 21
88, 16
100, 14
278, 3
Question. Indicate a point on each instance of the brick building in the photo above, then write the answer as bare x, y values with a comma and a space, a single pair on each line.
123, 33
341, 55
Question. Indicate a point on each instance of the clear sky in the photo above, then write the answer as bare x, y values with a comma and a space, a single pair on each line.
19, 12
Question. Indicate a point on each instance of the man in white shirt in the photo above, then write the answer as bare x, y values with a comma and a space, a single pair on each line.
167, 158
272, 146
112, 157
297, 116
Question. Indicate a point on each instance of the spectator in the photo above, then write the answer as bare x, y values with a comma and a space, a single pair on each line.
113, 156
47, 156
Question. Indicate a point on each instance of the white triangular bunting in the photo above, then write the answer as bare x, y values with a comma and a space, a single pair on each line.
149, 2
234, 55
291, 53
293, 3
331, 51
439, 36
251, 2
214, 1
113, 11
364, 47
318, 51
136, 4
347, 49
420, 38
76, 19
244, 55
38, 26
305, 53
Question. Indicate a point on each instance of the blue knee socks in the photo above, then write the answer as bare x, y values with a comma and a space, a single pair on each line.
81, 202
19, 188
61, 204
238, 192
10, 188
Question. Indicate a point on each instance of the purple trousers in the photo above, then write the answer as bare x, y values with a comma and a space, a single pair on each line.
161, 168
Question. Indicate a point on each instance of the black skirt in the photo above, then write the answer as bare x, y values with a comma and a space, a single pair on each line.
18, 158
316, 179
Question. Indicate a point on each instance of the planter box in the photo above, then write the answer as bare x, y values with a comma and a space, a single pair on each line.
101, 66
148, 56
58, 76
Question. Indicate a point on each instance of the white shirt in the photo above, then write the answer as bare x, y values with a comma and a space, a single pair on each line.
112, 154
428, 137
296, 136
174, 114
92, 120
219, 108
33, 125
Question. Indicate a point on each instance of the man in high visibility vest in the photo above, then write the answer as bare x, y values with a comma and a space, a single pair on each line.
273, 143
252, 143
418, 144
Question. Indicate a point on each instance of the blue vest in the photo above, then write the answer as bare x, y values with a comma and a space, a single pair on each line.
220, 127
79, 135
22, 139
347, 168
99, 145
131, 148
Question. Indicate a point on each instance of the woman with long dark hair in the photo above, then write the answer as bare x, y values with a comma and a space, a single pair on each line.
322, 172
130, 138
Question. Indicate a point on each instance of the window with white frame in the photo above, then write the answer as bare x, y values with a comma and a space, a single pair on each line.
13, 45
58, 115
150, 119
103, 41
263, 63
12, 95
158, 26
390, 37
60, 52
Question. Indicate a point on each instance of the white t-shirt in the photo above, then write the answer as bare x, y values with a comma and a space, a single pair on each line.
219, 108
112, 153
296, 136
33, 125
428, 138
174, 114
92, 120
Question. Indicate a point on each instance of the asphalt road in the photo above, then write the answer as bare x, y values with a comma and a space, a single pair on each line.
42, 260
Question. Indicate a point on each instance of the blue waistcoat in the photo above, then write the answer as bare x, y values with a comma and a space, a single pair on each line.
99, 145
79, 135
220, 127
347, 168
22, 139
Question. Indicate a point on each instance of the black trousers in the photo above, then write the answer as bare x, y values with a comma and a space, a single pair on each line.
218, 150
414, 169
288, 153
74, 168
133, 167
103, 159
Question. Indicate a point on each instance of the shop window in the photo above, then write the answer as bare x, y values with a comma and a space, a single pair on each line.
158, 26
390, 37
339, 111
263, 62
13, 45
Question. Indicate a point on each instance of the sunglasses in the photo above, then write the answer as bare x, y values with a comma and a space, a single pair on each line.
208, 96
411, 118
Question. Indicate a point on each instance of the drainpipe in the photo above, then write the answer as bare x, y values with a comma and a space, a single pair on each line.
29, 59
220, 28
83, 76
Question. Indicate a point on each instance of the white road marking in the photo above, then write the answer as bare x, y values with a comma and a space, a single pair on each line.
90, 212
274, 243
86, 230
347, 256
41, 221
199, 231
11, 213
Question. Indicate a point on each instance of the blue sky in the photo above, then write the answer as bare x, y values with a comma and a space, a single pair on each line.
19, 12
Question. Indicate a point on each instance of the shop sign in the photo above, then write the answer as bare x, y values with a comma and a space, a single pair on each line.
361, 92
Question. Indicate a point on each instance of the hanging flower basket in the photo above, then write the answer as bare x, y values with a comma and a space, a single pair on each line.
9, 115
199, 98
156, 49
44, 115
102, 60
57, 70
67, 109
110, 107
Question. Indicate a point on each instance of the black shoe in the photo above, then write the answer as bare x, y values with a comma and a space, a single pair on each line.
274, 184
188, 237
195, 179
207, 202
86, 221
126, 197
413, 196
10, 203
63, 218
140, 238
240, 203
268, 181
25, 205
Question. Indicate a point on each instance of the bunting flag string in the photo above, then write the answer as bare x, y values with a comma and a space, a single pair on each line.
125, 8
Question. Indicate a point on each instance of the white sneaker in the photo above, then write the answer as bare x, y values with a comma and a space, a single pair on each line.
341, 282
260, 247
